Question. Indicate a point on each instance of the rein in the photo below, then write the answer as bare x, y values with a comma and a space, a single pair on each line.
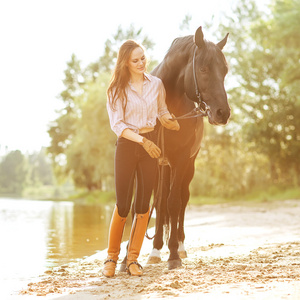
202, 110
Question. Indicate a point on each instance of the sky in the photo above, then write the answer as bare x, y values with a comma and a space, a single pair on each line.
38, 37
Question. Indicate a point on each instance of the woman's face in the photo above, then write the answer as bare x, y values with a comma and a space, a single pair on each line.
137, 62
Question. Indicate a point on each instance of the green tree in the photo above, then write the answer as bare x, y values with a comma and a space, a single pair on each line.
40, 168
284, 34
264, 53
260, 145
62, 129
90, 156
13, 173
112, 45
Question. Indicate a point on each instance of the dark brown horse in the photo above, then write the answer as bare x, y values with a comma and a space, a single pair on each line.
193, 72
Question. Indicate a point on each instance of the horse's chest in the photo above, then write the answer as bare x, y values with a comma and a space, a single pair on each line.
186, 142
198, 137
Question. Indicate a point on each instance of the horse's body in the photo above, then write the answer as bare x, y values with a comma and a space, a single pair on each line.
181, 82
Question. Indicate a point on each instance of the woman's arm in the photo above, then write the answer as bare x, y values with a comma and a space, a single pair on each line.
132, 136
148, 145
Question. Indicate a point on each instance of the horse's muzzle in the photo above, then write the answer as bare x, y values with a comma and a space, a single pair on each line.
219, 117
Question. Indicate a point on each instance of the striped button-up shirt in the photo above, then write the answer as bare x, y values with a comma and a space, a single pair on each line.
141, 110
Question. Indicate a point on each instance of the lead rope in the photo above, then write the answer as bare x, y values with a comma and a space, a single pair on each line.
158, 194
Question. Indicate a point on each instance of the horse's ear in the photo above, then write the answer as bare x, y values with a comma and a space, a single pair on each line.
198, 38
223, 42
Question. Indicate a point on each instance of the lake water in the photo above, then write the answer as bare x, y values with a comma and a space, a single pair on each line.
39, 235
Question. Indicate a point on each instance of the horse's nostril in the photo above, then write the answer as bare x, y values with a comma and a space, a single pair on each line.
219, 112
222, 116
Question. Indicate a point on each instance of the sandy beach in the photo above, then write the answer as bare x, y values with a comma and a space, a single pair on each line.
240, 251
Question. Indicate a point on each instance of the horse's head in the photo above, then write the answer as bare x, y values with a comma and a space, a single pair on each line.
206, 72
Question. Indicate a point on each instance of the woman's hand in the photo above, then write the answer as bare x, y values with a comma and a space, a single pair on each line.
166, 121
151, 148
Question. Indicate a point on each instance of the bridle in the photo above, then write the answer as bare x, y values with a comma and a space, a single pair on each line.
206, 109
203, 109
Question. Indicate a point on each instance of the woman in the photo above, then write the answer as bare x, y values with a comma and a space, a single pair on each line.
135, 100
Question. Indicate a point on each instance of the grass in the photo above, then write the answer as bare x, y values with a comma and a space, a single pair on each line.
47, 192
94, 197
273, 193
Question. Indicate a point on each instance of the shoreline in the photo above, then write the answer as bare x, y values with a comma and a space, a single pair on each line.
248, 251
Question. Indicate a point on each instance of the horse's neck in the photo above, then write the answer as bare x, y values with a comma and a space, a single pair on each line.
179, 104
172, 75
172, 72
172, 66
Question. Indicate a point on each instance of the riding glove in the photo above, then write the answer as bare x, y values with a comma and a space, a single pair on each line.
168, 121
151, 148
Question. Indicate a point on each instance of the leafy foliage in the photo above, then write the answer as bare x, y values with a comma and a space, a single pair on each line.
90, 156
264, 52
18, 171
13, 173
108, 59
260, 146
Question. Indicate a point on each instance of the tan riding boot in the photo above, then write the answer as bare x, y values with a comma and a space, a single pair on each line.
138, 230
114, 243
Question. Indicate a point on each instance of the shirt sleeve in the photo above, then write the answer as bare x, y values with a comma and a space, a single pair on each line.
161, 100
116, 118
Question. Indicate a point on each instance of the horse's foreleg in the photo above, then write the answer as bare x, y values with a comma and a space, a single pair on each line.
175, 206
174, 203
154, 256
174, 259
181, 249
185, 196
161, 218
181, 236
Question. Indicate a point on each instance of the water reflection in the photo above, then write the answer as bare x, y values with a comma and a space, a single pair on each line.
76, 231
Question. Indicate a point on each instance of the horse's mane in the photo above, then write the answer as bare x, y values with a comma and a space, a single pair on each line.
186, 45
182, 45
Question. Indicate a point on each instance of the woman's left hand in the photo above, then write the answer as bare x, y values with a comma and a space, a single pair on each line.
166, 121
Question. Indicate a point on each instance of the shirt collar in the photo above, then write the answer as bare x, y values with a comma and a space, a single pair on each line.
146, 76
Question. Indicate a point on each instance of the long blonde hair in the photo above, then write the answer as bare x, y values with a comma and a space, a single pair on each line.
121, 75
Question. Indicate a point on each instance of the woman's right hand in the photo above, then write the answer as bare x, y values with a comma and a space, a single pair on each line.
168, 121
151, 148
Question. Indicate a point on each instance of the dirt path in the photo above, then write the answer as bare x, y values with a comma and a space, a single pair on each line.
234, 252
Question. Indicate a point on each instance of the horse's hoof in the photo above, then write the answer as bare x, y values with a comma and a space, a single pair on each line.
153, 260
123, 268
174, 263
182, 254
